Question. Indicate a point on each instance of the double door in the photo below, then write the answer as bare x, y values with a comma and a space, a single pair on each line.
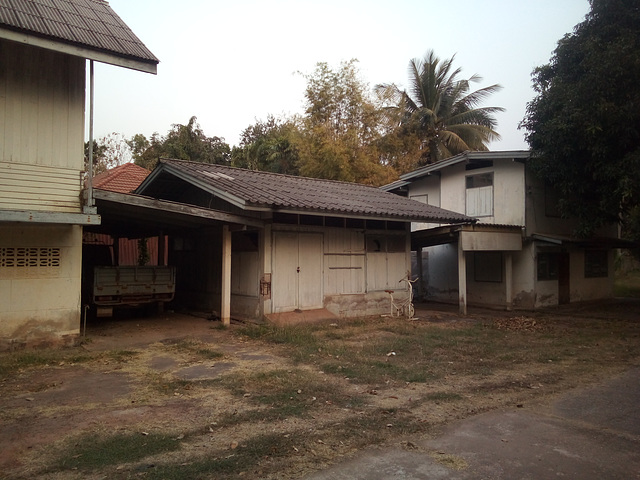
297, 271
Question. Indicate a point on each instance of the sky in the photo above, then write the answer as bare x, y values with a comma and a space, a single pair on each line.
233, 62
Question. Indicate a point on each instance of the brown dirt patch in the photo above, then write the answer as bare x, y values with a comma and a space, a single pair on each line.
170, 375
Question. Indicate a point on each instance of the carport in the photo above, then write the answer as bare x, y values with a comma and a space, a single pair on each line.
135, 216
472, 238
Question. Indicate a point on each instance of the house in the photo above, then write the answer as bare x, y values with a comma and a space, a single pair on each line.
124, 178
44, 48
252, 244
520, 254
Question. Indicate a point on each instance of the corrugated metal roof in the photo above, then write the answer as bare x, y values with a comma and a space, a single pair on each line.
87, 23
254, 190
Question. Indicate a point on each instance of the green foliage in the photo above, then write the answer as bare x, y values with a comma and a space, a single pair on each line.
439, 114
184, 142
583, 126
90, 453
268, 146
99, 159
108, 152
143, 252
341, 128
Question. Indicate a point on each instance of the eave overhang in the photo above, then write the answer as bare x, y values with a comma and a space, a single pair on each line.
78, 50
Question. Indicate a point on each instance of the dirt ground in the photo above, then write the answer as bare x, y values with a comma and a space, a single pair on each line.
41, 408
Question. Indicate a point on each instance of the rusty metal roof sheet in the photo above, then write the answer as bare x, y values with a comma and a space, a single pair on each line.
86, 23
255, 190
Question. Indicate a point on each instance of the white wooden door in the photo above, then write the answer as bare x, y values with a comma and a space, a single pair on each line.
297, 271
310, 256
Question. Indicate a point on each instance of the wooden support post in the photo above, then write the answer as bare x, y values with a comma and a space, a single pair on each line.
462, 278
225, 304
508, 278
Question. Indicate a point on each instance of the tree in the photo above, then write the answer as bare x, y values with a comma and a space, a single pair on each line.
440, 110
340, 128
98, 157
184, 142
108, 152
268, 145
583, 126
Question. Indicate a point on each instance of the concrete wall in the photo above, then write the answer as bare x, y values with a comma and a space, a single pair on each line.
40, 276
518, 199
581, 288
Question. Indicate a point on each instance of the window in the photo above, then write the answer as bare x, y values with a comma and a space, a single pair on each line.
480, 195
547, 266
487, 267
596, 263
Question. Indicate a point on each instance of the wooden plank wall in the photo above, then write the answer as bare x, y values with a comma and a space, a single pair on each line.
41, 128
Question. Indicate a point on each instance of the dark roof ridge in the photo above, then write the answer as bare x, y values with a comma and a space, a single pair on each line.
266, 172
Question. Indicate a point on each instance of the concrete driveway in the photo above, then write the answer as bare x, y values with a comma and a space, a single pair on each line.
591, 433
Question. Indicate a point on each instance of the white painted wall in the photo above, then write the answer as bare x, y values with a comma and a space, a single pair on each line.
39, 302
41, 129
508, 191
519, 199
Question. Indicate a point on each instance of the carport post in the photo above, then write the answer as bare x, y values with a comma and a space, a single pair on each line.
462, 277
225, 310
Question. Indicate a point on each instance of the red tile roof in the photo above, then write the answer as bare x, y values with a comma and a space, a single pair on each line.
122, 179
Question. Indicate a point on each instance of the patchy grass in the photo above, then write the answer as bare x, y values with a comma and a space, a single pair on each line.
200, 349
280, 394
324, 391
627, 285
12, 363
88, 453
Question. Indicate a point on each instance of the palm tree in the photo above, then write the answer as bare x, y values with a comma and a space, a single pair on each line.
441, 110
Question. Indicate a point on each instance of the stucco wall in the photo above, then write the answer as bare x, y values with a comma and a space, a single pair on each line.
508, 191
40, 276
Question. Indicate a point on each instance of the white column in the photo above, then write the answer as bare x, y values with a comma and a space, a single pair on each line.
225, 304
462, 278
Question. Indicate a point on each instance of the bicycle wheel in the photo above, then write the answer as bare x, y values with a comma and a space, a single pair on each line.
410, 311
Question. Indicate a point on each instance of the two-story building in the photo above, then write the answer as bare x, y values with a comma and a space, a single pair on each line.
520, 254
45, 46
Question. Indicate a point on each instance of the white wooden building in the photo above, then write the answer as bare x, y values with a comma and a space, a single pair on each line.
520, 254
251, 244
44, 48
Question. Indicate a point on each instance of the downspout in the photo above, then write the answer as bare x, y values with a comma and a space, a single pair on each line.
89, 207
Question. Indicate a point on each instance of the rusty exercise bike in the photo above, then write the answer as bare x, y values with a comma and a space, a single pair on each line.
403, 307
